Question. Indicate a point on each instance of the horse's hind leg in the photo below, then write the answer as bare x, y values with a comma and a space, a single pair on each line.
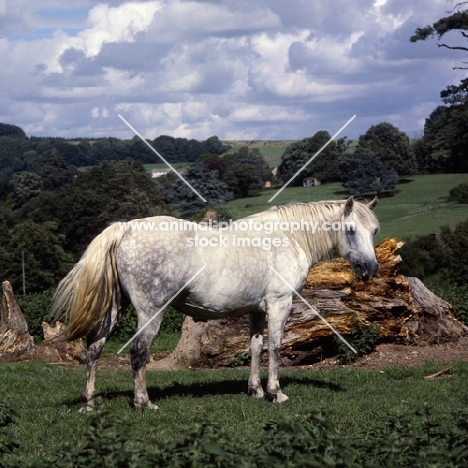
140, 350
96, 340
257, 325
278, 313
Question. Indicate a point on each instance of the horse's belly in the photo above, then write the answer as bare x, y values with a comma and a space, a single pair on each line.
203, 313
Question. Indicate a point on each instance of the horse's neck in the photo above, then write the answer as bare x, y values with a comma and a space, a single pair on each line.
317, 243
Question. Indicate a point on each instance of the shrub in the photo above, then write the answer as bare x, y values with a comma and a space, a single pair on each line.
362, 338
36, 309
459, 193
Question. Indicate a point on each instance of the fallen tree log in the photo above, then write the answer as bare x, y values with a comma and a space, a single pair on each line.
404, 310
15, 341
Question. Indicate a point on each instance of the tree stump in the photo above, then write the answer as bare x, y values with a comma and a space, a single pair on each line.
68, 351
405, 311
15, 341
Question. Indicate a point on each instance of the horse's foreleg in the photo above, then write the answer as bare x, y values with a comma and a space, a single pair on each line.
277, 316
257, 325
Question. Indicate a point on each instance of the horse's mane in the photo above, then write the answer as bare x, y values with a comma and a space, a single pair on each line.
320, 244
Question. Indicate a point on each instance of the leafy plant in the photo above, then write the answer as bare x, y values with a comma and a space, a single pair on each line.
239, 359
36, 309
362, 338
308, 439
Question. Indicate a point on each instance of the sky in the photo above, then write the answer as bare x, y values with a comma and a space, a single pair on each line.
241, 70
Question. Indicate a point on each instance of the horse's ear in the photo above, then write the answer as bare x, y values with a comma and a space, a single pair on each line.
371, 205
349, 206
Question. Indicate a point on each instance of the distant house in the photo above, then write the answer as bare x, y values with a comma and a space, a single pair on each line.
159, 172
310, 182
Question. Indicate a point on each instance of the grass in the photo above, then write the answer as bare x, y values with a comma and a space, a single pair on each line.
418, 207
46, 399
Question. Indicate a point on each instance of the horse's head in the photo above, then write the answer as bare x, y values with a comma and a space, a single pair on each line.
357, 246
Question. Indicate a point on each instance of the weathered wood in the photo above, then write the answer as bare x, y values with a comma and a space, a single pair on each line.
405, 311
15, 341
53, 351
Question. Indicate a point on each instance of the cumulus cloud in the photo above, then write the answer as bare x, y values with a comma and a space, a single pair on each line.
264, 69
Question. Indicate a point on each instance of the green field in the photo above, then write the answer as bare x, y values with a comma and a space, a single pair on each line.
45, 397
271, 150
418, 207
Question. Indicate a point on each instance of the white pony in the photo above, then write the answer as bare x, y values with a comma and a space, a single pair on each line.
209, 274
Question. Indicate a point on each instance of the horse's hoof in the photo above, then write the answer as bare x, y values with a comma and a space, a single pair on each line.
86, 409
256, 392
278, 397
146, 406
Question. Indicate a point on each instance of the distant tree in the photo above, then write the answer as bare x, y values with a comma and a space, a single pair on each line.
213, 162
369, 173
459, 193
46, 261
456, 21
112, 191
446, 133
445, 147
24, 186
11, 131
245, 170
392, 147
324, 167
180, 149
53, 171
207, 184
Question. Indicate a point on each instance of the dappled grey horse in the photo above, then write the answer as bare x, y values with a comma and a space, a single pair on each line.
250, 267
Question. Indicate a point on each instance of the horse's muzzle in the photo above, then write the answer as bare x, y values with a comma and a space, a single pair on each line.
368, 270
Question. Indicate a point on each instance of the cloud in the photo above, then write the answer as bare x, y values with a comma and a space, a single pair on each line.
264, 69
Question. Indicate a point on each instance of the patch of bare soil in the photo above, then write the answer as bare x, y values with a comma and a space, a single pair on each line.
389, 355
385, 355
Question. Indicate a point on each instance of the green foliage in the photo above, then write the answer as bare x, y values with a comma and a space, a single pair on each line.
363, 338
457, 21
36, 309
446, 130
206, 182
112, 191
444, 147
181, 149
8, 419
245, 171
308, 439
24, 186
239, 359
45, 259
367, 173
53, 171
11, 130
324, 167
439, 258
457, 296
459, 193
390, 145
127, 325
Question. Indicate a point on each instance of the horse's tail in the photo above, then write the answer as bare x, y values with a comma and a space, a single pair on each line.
85, 294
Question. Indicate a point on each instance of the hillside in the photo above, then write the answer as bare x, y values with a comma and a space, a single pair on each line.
418, 207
